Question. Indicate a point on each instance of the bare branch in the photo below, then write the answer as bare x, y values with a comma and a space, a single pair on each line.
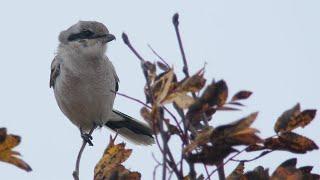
84, 143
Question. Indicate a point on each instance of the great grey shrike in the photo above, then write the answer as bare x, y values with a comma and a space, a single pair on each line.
85, 81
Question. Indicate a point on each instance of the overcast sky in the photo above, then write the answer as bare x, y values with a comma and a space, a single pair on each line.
269, 47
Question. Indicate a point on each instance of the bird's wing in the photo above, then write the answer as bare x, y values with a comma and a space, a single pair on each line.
55, 71
115, 76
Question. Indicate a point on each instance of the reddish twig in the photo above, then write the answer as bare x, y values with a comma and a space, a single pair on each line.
76, 172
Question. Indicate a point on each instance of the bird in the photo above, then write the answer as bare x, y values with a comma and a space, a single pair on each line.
85, 83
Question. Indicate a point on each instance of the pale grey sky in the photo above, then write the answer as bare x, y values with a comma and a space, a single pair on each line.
269, 47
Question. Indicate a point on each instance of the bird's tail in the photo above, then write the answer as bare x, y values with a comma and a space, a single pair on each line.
130, 128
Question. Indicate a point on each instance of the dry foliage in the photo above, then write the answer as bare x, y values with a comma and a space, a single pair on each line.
7, 143
194, 104
110, 165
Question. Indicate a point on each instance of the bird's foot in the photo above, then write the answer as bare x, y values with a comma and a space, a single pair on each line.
87, 138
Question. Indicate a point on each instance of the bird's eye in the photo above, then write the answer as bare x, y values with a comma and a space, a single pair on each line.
87, 33
84, 34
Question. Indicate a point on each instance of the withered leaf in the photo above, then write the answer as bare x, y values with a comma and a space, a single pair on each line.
241, 95
293, 118
179, 92
288, 170
283, 121
7, 143
245, 137
109, 166
183, 100
162, 86
216, 93
148, 117
226, 108
237, 126
297, 143
202, 138
237, 173
292, 142
210, 155
163, 66
258, 173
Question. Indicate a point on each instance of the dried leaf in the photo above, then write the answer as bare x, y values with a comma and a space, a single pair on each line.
225, 108
109, 166
287, 170
241, 95
303, 119
245, 137
162, 86
163, 66
202, 138
297, 143
284, 120
237, 173
258, 173
216, 93
7, 143
237, 126
211, 155
184, 101
148, 117
178, 92
290, 142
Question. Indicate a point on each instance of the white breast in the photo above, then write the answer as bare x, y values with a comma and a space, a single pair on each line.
84, 90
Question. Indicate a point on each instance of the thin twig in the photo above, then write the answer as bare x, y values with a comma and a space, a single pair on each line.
255, 158
84, 143
132, 98
154, 52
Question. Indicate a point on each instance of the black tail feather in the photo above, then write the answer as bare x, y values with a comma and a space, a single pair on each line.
122, 123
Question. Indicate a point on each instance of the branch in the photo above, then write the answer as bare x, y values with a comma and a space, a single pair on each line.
76, 172
255, 158
175, 21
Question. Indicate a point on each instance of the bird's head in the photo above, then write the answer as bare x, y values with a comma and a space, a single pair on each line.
87, 37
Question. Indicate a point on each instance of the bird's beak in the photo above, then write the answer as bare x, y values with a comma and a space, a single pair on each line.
110, 37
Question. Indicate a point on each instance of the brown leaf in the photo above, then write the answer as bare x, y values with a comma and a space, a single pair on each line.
237, 126
202, 138
290, 142
258, 173
297, 143
197, 110
226, 108
162, 86
284, 120
303, 119
163, 66
211, 155
148, 117
245, 137
178, 92
237, 173
287, 170
7, 143
109, 166
216, 93
241, 95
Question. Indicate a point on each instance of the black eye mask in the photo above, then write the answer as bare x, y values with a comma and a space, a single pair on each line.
86, 34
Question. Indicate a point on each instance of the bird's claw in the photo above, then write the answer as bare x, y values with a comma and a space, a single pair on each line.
87, 138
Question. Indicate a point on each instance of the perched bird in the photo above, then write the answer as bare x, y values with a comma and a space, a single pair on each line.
85, 81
